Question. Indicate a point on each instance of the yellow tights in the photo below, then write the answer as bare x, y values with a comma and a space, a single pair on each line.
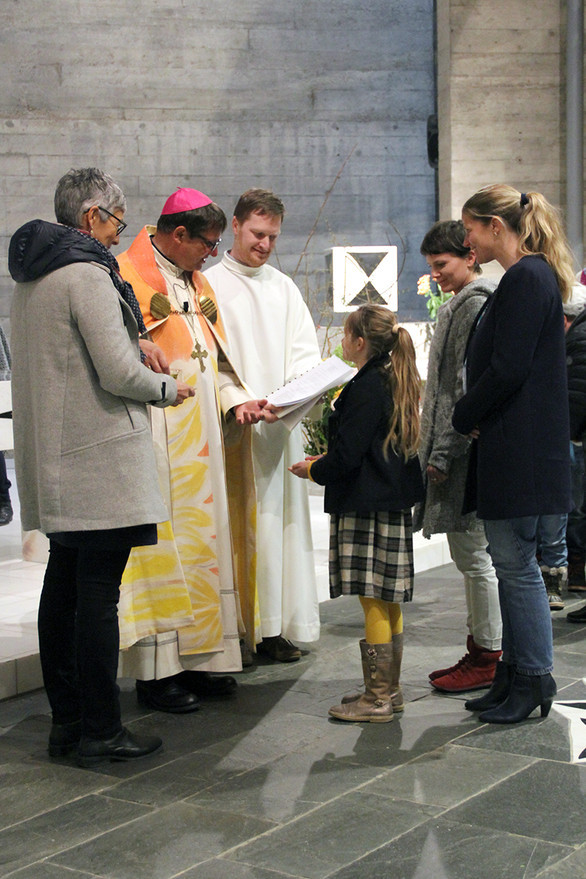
383, 619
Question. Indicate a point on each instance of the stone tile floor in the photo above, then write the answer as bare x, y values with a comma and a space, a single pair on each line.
263, 786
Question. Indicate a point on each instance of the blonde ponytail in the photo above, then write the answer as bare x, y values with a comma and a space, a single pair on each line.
405, 382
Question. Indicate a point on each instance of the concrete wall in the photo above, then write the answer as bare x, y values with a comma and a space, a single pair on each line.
223, 96
501, 97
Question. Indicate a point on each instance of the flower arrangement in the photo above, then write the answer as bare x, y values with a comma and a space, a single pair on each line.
434, 298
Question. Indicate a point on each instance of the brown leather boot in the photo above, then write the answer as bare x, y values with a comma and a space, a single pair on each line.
374, 706
397, 700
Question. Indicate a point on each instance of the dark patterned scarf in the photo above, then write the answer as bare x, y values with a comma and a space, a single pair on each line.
123, 287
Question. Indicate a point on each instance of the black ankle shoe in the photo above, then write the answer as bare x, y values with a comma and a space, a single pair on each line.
123, 746
503, 678
166, 695
527, 693
203, 684
63, 738
577, 616
6, 513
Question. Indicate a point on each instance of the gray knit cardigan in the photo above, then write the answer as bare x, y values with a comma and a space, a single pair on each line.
441, 446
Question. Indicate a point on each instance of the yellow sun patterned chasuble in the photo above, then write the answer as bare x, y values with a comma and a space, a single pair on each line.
186, 601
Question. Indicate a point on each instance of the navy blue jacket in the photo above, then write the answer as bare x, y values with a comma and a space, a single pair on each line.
518, 398
357, 477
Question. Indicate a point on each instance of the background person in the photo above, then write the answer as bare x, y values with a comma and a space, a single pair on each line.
372, 479
83, 452
560, 538
444, 456
272, 339
516, 406
575, 322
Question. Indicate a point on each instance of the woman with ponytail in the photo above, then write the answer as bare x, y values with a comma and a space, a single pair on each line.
372, 477
516, 407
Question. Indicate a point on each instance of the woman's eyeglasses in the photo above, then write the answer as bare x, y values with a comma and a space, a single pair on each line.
121, 226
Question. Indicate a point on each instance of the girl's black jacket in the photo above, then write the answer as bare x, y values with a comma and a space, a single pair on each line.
354, 471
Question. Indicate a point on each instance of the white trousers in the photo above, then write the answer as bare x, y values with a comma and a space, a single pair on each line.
469, 554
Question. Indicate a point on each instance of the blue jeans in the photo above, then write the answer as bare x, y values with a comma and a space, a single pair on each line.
551, 540
527, 629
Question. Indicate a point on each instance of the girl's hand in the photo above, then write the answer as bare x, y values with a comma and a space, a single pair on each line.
300, 469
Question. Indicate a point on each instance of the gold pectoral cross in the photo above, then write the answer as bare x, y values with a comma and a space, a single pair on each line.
199, 353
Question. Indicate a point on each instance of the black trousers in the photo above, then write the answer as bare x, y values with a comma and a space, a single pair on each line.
79, 637
4, 481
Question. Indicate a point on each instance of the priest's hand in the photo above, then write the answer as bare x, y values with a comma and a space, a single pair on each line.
156, 359
183, 392
269, 412
250, 412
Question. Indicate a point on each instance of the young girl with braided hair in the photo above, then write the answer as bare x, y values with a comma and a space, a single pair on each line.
372, 479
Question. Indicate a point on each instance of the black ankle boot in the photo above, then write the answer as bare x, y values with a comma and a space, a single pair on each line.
498, 692
527, 693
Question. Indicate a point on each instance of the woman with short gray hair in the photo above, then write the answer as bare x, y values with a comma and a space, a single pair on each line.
79, 190
83, 452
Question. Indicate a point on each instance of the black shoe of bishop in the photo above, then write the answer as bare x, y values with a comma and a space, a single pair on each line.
204, 684
166, 695
6, 512
64, 737
123, 746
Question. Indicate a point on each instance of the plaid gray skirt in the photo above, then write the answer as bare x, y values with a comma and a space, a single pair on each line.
372, 555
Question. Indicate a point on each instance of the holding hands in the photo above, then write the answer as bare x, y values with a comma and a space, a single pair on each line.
254, 411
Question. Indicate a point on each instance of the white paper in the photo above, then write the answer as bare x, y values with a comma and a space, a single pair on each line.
292, 415
312, 384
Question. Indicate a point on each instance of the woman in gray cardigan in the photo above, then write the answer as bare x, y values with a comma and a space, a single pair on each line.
444, 457
83, 451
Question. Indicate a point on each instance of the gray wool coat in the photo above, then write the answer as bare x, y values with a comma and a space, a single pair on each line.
83, 449
440, 445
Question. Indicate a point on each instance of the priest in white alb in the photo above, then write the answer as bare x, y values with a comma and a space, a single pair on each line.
272, 339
